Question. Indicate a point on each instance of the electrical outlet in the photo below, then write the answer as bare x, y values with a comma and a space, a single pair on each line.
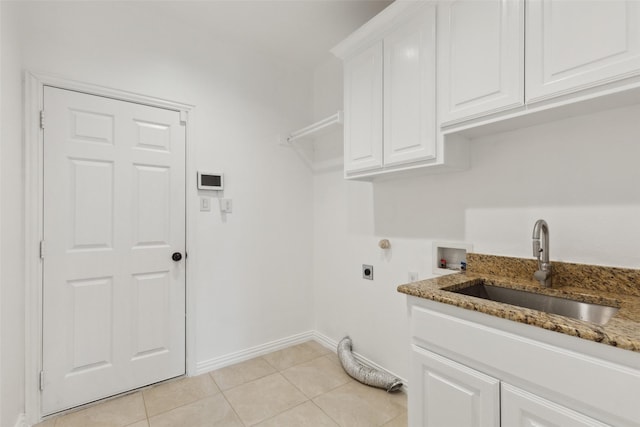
413, 276
367, 272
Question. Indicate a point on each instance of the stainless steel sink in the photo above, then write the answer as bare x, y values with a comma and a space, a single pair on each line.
595, 313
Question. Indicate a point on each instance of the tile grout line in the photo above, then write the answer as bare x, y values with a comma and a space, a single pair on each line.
146, 411
184, 404
280, 373
275, 371
233, 409
224, 396
307, 398
325, 412
310, 399
282, 412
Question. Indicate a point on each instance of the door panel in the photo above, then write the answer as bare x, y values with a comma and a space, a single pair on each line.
152, 205
91, 190
363, 110
576, 45
451, 394
480, 57
151, 304
521, 408
410, 91
91, 322
114, 211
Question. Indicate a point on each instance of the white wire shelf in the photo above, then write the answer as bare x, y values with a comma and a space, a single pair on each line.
317, 127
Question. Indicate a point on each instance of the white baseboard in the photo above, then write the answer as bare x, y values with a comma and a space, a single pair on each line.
240, 356
21, 421
333, 345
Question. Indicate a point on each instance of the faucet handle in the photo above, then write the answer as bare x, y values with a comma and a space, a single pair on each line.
541, 275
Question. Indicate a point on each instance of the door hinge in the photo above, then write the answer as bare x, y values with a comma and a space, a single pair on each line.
41, 119
41, 380
41, 249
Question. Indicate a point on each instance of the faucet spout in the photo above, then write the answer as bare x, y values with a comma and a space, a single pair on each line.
541, 252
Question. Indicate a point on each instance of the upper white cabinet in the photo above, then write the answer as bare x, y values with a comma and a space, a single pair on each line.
390, 94
572, 53
363, 110
422, 76
480, 57
410, 90
574, 45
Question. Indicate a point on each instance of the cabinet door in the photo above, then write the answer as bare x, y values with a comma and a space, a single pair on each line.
409, 90
363, 110
573, 45
521, 408
480, 57
446, 393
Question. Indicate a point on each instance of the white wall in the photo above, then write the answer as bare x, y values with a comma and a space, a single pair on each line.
11, 229
580, 174
253, 270
1, 127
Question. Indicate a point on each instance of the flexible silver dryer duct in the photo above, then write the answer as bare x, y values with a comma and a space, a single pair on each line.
365, 374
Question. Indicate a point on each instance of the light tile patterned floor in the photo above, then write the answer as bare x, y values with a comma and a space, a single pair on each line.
303, 385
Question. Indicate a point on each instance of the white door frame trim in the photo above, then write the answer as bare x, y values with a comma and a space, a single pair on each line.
34, 84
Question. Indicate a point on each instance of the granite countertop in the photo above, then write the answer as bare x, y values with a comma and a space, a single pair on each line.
611, 286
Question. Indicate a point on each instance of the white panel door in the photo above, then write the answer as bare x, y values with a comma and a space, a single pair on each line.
480, 57
573, 45
450, 394
363, 110
410, 89
521, 408
114, 213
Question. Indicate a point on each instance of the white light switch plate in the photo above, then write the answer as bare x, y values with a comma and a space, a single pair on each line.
205, 204
226, 205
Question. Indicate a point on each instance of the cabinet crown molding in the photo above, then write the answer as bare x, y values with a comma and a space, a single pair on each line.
376, 27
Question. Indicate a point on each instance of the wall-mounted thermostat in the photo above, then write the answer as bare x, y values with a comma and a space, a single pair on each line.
210, 181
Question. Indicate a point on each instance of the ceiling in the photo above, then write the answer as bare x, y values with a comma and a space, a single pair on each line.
299, 32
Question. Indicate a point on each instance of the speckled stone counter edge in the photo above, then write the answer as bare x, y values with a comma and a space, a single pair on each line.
595, 284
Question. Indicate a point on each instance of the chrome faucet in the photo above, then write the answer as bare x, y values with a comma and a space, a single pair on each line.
543, 275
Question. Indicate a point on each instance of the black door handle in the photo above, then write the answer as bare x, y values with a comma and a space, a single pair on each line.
177, 256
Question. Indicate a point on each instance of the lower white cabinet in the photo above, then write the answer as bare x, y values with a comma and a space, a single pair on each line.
521, 408
451, 394
473, 369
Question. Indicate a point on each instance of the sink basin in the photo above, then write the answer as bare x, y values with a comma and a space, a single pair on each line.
595, 313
